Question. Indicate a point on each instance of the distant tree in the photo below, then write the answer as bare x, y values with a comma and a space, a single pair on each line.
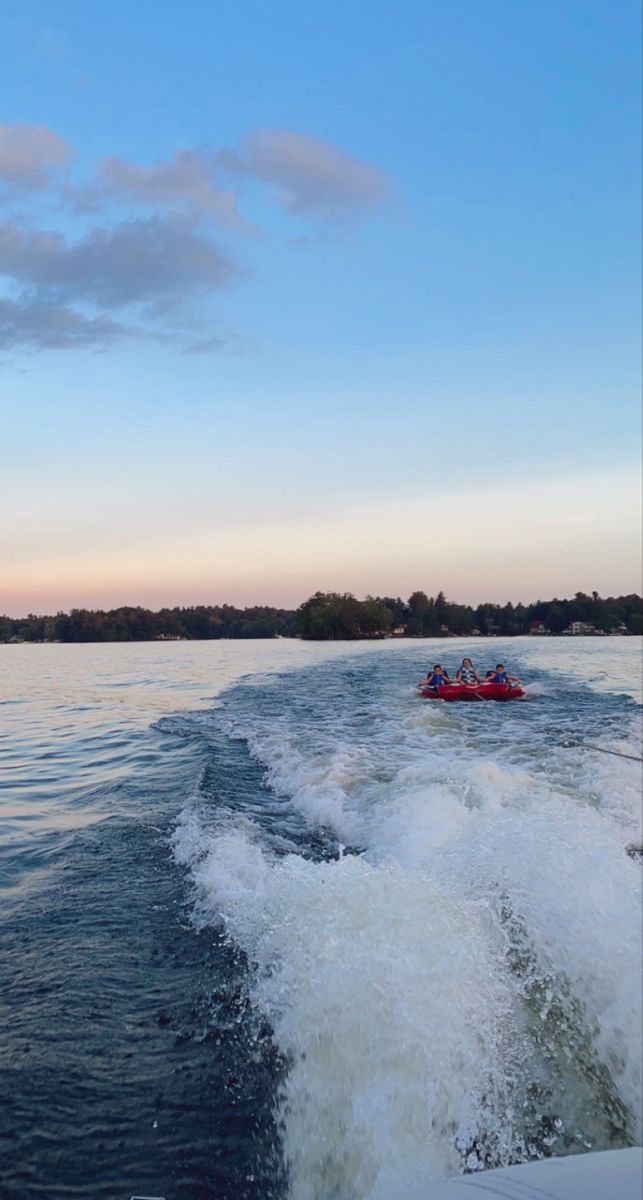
418, 604
430, 622
398, 609
441, 608
422, 620
458, 618
374, 617
330, 616
556, 618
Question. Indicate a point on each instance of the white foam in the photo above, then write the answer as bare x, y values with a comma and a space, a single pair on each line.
386, 977
395, 1028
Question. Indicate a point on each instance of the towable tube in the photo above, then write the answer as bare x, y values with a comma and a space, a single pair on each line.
482, 691
610, 1173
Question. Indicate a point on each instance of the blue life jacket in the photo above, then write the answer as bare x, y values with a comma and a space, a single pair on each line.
436, 680
500, 677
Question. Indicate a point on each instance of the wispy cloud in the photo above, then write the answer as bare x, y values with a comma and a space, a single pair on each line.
187, 182
205, 346
312, 177
28, 153
31, 323
156, 266
161, 261
136, 261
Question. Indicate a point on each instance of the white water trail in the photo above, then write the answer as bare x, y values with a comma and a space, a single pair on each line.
390, 977
395, 1058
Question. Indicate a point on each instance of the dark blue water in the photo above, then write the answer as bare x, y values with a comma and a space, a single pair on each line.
130, 1062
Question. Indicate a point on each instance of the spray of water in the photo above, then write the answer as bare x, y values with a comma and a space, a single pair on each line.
462, 989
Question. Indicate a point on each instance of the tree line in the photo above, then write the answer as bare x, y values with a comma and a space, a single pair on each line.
330, 616
200, 622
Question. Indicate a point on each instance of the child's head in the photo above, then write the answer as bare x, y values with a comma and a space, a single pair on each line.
466, 662
500, 666
437, 667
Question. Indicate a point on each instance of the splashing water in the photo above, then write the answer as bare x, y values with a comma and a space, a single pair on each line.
461, 988
399, 940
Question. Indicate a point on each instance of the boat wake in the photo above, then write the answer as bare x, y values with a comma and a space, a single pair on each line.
460, 988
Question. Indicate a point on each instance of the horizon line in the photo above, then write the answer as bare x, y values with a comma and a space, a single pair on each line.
285, 609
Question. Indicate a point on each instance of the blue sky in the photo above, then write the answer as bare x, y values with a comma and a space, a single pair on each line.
310, 296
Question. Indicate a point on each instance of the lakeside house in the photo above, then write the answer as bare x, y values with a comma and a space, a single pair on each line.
538, 629
583, 629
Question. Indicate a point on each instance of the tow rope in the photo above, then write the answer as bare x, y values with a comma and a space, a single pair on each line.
603, 750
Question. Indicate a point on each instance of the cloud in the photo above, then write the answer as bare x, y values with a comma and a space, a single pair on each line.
313, 178
186, 181
153, 260
29, 152
31, 324
160, 265
67, 290
205, 346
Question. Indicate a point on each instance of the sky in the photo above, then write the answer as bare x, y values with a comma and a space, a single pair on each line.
322, 296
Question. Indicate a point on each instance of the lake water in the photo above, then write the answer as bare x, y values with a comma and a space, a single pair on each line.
274, 927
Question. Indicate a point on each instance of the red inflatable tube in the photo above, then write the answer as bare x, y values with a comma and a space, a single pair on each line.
482, 691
